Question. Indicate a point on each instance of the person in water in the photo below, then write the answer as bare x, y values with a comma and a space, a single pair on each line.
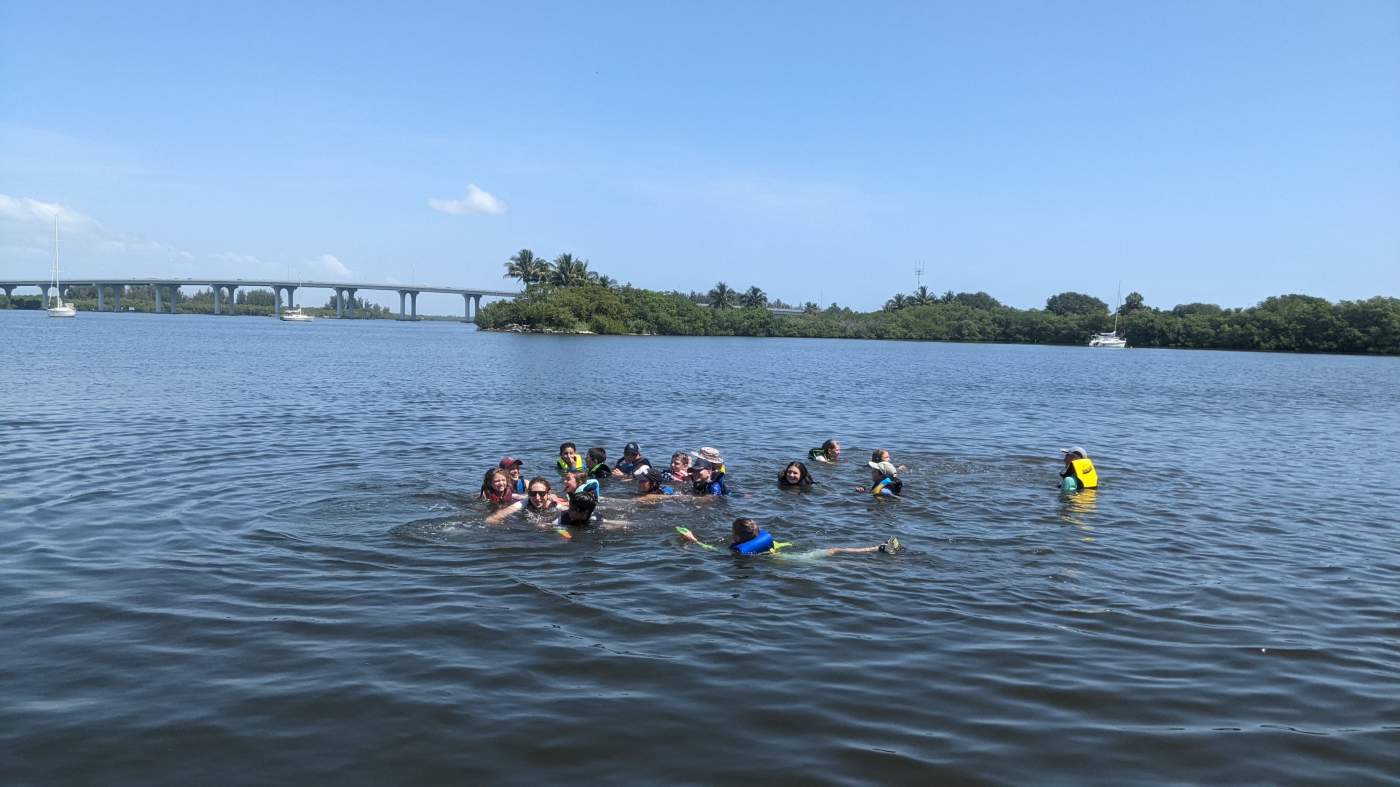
712, 456
496, 488
574, 482
631, 460
884, 475
512, 468
569, 460
795, 475
538, 500
597, 463
678, 474
747, 538
706, 479
653, 484
580, 512
830, 452
1079, 472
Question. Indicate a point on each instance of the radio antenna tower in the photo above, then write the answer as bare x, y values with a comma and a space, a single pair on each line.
919, 275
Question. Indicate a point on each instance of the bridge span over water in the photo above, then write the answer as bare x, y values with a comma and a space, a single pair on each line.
167, 293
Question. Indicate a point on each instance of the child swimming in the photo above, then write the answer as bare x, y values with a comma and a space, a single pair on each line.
747, 538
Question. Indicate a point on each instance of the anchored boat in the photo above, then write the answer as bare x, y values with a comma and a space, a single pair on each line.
56, 307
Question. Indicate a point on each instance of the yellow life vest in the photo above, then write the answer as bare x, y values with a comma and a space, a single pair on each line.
1084, 471
575, 465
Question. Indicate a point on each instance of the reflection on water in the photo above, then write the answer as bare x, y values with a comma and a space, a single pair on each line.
1077, 508
235, 548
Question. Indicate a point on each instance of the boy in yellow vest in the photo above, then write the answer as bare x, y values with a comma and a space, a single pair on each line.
1079, 472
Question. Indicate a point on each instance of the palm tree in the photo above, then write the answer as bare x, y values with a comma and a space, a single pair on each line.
524, 266
569, 271
921, 297
810, 307
721, 297
753, 297
607, 282
899, 301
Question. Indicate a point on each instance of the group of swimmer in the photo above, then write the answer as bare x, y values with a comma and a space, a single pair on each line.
699, 474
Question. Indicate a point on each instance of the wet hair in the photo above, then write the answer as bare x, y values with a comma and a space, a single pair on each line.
744, 529
826, 448
577, 476
562, 446
876, 454
583, 502
653, 478
596, 455
539, 479
683, 456
804, 479
487, 493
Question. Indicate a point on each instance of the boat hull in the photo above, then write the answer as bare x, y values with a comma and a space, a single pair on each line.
63, 311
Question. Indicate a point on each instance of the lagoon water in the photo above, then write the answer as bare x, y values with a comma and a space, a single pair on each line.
243, 551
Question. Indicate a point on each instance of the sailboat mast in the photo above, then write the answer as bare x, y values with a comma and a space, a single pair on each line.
1118, 308
56, 292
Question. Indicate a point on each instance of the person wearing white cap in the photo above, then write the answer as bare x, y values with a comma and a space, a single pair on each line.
1079, 472
884, 476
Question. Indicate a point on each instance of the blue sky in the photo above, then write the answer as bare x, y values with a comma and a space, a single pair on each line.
1198, 151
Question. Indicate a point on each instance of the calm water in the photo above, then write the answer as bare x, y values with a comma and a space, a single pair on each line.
242, 551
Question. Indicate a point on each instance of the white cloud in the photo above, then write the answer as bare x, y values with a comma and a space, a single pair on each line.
238, 259
478, 201
328, 264
26, 210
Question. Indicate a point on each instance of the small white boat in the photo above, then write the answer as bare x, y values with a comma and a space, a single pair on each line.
1112, 340
56, 306
296, 315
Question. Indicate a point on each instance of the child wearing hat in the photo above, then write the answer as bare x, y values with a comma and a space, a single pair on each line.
884, 475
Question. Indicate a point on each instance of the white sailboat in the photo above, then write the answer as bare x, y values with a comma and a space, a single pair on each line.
56, 306
1111, 340
295, 315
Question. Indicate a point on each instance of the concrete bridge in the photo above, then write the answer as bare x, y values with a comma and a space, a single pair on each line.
166, 291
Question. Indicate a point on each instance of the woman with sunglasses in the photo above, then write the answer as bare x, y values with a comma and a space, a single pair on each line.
538, 500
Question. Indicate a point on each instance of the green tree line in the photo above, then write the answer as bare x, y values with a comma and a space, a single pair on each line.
1290, 323
142, 298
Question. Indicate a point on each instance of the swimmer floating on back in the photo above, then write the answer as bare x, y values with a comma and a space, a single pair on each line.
749, 539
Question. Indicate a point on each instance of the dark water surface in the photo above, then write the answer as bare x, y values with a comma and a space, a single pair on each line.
242, 551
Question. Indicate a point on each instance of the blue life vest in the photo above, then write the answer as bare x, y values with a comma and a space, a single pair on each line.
762, 542
714, 487
520, 485
888, 486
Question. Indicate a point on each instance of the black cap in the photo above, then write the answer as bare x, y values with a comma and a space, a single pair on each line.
631, 449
